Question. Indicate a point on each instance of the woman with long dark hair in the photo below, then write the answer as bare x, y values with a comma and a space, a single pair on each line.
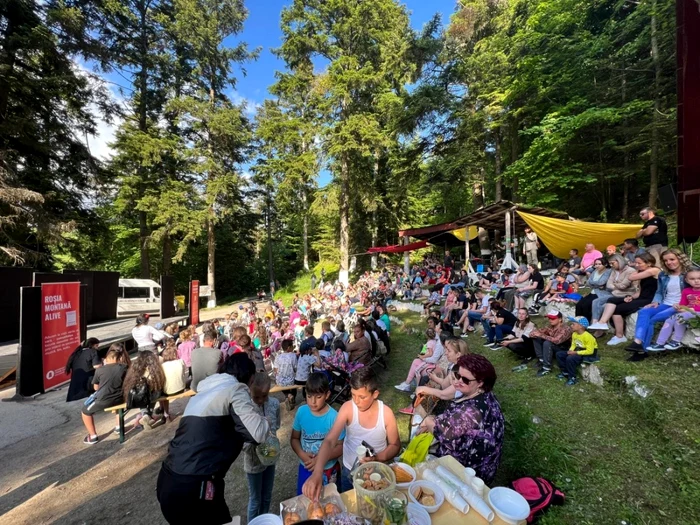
143, 385
81, 367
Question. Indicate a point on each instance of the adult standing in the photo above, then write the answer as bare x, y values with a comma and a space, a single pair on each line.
670, 284
144, 335
448, 262
654, 232
216, 424
472, 427
530, 246
549, 340
597, 281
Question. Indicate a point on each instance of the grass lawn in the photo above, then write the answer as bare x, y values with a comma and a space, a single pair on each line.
617, 457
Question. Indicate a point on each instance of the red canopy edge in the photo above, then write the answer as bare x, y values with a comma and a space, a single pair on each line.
398, 248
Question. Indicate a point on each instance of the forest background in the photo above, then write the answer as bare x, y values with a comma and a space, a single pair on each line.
567, 104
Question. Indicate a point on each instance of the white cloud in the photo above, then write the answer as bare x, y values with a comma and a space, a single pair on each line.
251, 107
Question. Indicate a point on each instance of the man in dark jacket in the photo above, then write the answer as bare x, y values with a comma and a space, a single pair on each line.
212, 431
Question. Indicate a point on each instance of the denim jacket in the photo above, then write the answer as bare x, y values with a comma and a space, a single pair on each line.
662, 284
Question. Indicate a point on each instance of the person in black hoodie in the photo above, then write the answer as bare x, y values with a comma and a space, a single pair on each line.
212, 431
81, 368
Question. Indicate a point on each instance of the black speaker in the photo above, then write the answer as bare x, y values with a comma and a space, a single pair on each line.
668, 198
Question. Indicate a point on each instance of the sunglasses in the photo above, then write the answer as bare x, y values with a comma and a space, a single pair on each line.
463, 379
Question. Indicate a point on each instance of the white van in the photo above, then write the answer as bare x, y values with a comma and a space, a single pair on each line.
137, 296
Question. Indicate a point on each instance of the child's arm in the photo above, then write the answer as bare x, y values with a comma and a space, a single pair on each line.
313, 485
295, 442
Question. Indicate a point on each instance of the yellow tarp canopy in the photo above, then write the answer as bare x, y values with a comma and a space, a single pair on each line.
461, 233
560, 235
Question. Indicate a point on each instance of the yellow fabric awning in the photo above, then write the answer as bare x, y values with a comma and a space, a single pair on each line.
461, 233
560, 235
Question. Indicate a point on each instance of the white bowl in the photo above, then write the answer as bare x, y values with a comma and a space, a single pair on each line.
510, 506
266, 519
439, 495
417, 515
410, 470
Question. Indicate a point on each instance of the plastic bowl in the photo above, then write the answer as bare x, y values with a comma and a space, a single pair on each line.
410, 470
266, 519
510, 506
439, 495
417, 515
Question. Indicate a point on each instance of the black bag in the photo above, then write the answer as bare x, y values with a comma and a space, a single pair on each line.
139, 396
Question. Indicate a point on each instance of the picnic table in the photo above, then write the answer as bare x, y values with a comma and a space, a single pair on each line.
446, 514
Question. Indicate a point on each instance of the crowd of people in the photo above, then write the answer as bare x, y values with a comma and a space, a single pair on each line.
232, 363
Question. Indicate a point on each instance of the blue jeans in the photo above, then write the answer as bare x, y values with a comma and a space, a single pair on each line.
260, 492
496, 332
569, 364
345, 479
473, 316
647, 318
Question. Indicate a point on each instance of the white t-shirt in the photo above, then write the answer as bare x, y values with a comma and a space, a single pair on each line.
146, 335
175, 379
673, 290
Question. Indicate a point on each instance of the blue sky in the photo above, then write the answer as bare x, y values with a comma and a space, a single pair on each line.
262, 30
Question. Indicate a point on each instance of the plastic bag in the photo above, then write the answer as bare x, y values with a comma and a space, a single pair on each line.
268, 451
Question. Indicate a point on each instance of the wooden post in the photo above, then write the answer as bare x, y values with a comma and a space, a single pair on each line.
406, 258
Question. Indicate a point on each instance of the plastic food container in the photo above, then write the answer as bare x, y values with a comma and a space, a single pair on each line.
410, 470
266, 519
413, 489
510, 506
417, 515
369, 499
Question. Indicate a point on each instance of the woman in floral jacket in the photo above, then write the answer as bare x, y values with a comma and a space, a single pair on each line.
472, 427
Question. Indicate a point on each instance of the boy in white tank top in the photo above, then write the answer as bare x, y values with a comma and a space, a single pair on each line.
365, 418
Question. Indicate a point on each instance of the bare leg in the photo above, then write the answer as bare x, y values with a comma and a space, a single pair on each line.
607, 313
619, 325
165, 405
89, 423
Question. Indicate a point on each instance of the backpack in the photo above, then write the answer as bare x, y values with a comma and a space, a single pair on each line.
139, 396
539, 493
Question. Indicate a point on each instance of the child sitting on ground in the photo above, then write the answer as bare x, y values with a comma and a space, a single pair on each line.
312, 423
261, 478
583, 345
365, 418
108, 380
285, 368
428, 356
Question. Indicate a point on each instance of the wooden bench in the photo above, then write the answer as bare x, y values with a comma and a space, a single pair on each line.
280, 388
121, 409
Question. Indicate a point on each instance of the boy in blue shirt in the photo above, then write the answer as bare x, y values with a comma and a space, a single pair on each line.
311, 424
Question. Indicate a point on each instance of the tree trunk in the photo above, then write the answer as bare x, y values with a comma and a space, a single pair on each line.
478, 193
626, 160
167, 253
305, 234
271, 267
211, 258
142, 98
654, 166
375, 226
143, 245
344, 208
514, 152
499, 181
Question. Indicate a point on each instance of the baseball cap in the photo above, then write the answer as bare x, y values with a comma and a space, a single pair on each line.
580, 320
553, 314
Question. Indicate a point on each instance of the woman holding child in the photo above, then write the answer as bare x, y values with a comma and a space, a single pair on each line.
471, 429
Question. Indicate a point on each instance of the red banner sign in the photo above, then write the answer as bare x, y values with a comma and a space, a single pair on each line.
194, 302
60, 329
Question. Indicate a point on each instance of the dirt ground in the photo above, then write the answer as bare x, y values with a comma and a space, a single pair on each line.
47, 475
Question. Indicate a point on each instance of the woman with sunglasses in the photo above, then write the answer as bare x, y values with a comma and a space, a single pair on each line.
471, 428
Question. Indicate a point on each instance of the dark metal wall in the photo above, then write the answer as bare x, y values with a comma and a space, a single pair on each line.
11, 280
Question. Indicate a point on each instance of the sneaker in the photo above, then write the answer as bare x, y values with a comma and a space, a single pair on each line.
147, 422
489, 345
598, 326
90, 440
116, 430
465, 335
407, 410
571, 382
543, 371
656, 348
403, 387
635, 347
526, 361
617, 341
562, 376
537, 364
673, 345
494, 346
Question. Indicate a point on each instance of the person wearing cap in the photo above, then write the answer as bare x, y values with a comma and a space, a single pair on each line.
549, 340
583, 347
